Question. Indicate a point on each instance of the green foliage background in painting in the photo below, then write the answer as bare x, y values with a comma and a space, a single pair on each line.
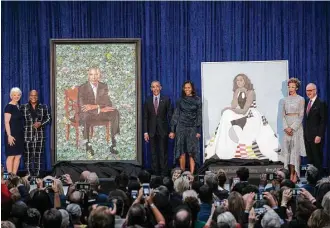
117, 63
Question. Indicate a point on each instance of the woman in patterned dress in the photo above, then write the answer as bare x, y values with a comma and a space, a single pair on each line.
186, 126
293, 114
243, 132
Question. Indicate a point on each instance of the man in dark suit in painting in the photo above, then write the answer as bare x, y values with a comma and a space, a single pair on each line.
95, 105
157, 115
315, 126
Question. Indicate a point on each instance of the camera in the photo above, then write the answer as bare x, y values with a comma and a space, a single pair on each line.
5, 176
134, 194
260, 211
270, 176
296, 191
201, 178
83, 186
236, 180
146, 189
48, 183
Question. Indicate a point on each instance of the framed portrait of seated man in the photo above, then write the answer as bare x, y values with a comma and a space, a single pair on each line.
95, 95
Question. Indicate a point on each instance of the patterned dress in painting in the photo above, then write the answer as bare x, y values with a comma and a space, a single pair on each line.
243, 132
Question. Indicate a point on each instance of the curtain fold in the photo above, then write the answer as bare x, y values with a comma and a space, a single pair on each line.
176, 38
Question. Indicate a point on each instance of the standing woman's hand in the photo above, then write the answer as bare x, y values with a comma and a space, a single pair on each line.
198, 135
11, 140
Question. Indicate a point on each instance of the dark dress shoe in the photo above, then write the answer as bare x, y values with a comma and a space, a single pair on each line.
89, 149
113, 150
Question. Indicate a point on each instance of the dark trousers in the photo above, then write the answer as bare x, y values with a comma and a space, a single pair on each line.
33, 156
158, 148
94, 119
315, 155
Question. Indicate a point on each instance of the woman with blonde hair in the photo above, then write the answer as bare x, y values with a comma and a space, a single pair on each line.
293, 114
14, 138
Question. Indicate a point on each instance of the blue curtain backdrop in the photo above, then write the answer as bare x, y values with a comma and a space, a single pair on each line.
176, 38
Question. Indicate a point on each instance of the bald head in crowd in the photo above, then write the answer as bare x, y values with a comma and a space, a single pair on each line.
84, 175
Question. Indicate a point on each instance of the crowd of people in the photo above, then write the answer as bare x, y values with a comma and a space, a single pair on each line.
176, 200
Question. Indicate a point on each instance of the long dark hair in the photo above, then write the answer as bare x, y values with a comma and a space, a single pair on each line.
193, 92
247, 82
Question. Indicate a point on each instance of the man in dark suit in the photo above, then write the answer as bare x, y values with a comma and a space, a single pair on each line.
157, 115
36, 117
315, 126
95, 105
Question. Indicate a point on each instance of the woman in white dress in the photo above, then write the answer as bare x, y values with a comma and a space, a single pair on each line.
293, 114
243, 132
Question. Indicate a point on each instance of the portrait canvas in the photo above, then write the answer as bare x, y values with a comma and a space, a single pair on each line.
243, 122
95, 100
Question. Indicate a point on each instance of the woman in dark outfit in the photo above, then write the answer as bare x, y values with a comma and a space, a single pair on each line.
14, 137
186, 126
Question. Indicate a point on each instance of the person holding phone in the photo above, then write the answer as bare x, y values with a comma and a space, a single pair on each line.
186, 126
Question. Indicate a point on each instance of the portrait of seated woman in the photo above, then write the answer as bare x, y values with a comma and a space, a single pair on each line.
243, 132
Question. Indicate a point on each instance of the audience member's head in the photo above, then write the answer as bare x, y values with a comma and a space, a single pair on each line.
182, 217
250, 188
222, 178
175, 174
84, 175
236, 206
287, 183
65, 218
238, 187
312, 174
205, 194
196, 185
52, 219
189, 193
304, 208
193, 204
15, 195
226, 219
168, 182
19, 210
122, 201
41, 201
136, 215
271, 220
101, 218
122, 181
326, 203
284, 173
93, 180
7, 224
144, 176
76, 197
322, 189
243, 173
156, 181
74, 211
32, 217
318, 219
181, 184
211, 180
162, 197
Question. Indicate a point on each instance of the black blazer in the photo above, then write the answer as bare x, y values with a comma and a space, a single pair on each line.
159, 121
316, 120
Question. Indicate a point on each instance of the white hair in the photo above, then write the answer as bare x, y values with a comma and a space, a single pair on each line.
15, 90
155, 81
65, 218
326, 203
189, 193
93, 179
181, 184
227, 218
271, 220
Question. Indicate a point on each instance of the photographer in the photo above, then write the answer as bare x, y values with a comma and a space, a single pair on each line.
137, 214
